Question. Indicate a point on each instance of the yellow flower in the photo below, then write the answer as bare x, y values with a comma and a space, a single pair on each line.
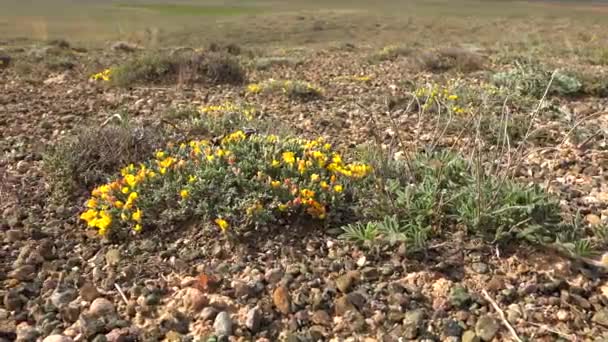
301, 166
315, 177
324, 185
124, 216
125, 190
275, 184
89, 216
210, 157
254, 88
92, 203
338, 188
275, 163
119, 204
337, 159
234, 137
167, 162
130, 180
137, 228
327, 147
220, 153
184, 194
104, 221
160, 155
453, 97
223, 224
162, 170
307, 193
191, 179
137, 215
282, 207
289, 158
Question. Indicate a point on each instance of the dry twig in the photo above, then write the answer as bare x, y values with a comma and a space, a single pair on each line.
502, 316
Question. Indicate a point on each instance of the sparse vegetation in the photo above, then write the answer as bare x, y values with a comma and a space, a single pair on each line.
212, 68
299, 90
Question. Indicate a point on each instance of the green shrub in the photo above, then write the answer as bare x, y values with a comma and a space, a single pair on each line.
213, 68
531, 79
391, 53
77, 163
435, 193
446, 59
241, 181
265, 63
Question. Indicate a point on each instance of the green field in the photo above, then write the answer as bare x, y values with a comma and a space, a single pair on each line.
297, 22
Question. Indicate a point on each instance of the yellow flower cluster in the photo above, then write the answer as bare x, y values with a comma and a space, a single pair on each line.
102, 76
227, 107
286, 87
292, 174
442, 94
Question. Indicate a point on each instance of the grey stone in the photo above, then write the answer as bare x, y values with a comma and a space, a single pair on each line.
253, 319
480, 267
412, 323
208, 313
486, 328
469, 336
601, 317
459, 296
223, 324
63, 298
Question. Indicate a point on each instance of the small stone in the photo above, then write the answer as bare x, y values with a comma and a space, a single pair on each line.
62, 298
88, 292
152, 299
102, 307
342, 305
14, 235
469, 336
412, 323
194, 299
223, 324
513, 313
562, 315
253, 319
452, 328
357, 299
593, 220
57, 338
370, 273
26, 333
112, 257
70, 312
282, 299
486, 328
496, 284
243, 290
601, 317
321, 317
12, 300
173, 336
273, 276
208, 313
23, 273
346, 281
480, 267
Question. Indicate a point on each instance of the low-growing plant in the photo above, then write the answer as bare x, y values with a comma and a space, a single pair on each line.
299, 90
531, 79
445, 191
445, 59
241, 181
214, 68
265, 63
77, 163
391, 53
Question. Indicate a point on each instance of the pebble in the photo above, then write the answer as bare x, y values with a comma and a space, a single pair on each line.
601, 317
480, 267
223, 324
26, 333
273, 276
459, 296
23, 273
486, 328
12, 300
57, 338
208, 313
14, 235
342, 305
253, 319
469, 336
321, 317
346, 281
102, 307
88, 292
452, 328
412, 323
282, 300
194, 299
112, 257
62, 298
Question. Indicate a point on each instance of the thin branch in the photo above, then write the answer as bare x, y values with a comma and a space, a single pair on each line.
122, 294
502, 316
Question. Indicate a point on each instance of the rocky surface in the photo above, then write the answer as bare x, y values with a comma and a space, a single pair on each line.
60, 283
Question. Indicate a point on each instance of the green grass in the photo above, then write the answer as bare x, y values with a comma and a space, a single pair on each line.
192, 10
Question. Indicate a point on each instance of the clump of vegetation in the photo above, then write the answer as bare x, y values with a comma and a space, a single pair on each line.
241, 181
391, 53
299, 90
531, 79
87, 159
213, 68
441, 60
265, 63
415, 200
